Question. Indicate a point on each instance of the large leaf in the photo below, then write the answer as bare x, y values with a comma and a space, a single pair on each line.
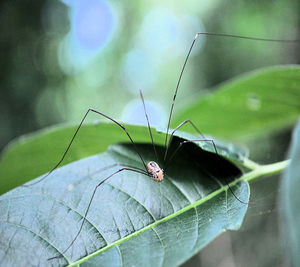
132, 221
256, 103
290, 202
35, 154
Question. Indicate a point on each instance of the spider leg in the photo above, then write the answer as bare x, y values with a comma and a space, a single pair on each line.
178, 127
72, 139
215, 148
90, 202
190, 50
105, 169
146, 115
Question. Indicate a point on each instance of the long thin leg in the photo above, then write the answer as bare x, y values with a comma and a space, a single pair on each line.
179, 126
107, 168
216, 35
66, 151
89, 205
148, 125
215, 148
247, 37
120, 165
177, 86
190, 141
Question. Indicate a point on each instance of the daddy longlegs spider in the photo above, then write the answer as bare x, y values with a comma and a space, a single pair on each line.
151, 169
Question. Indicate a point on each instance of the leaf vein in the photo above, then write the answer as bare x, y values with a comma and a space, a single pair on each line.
36, 234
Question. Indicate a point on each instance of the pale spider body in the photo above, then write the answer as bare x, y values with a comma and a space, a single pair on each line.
155, 172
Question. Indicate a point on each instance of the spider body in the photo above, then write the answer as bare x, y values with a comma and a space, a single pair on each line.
155, 172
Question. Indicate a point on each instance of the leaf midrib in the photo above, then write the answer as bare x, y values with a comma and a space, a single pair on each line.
158, 222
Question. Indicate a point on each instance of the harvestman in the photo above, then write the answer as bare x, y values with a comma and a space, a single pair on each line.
152, 169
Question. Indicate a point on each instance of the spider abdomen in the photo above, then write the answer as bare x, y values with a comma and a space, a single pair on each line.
155, 172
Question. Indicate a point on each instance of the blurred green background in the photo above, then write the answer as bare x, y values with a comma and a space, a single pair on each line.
58, 58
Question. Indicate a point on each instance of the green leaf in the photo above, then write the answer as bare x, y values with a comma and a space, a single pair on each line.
133, 220
35, 154
290, 202
256, 103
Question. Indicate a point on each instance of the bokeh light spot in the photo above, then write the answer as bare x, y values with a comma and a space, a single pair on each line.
134, 113
138, 71
167, 35
93, 23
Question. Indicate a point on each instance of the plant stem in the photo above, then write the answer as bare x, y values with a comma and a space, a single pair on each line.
265, 170
251, 165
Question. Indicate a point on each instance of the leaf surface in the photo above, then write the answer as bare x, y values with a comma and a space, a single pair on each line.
256, 103
32, 155
133, 220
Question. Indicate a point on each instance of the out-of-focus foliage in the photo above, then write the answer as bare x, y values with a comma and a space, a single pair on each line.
61, 57
30, 34
56, 61
290, 202
269, 100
